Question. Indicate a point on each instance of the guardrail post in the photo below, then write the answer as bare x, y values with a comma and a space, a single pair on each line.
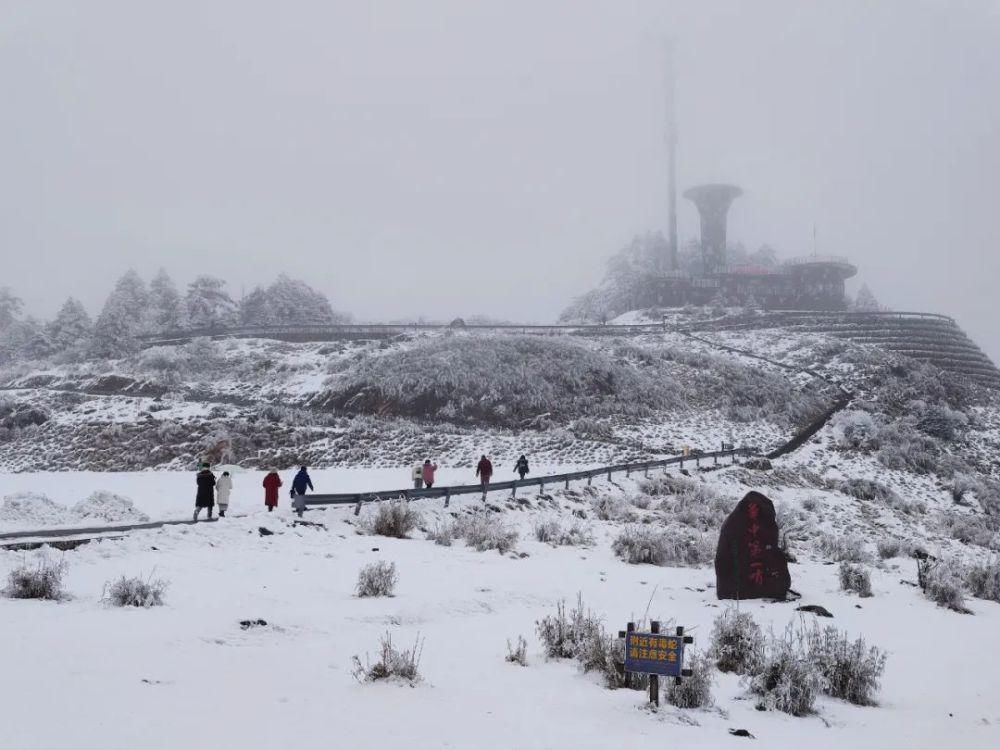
541, 487
357, 508
682, 462
513, 489
716, 460
628, 470
590, 478
609, 475
447, 497
567, 483
646, 471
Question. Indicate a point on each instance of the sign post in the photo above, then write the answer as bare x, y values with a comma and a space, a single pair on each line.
656, 654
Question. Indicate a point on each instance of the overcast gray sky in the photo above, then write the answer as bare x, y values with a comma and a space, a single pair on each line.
451, 157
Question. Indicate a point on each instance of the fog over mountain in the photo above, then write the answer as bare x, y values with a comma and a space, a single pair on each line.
452, 158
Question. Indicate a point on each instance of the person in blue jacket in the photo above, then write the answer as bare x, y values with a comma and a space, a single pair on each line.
299, 486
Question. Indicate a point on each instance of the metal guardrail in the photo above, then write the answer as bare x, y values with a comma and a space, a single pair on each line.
359, 498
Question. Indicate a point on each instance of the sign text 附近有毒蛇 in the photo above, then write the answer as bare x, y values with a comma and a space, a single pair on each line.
654, 653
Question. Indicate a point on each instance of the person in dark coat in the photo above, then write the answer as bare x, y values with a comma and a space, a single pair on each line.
299, 486
749, 562
521, 467
272, 482
206, 491
484, 470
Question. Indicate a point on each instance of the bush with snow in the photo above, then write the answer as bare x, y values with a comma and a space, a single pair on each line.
787, 680
485, 531
638, 544
984, 580
694, 691
552, 532
942, 581
855, 429
109, 507
393, 518
855, 578
843, 548
978, 529
377, 579
737, 642
889, 548
391, 663
851, 670
43, 580
135, 592
518, 654
563, 636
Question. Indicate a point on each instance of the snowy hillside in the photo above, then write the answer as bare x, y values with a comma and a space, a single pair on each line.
900, 475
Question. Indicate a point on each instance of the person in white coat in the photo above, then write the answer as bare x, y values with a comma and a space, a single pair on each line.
223, 488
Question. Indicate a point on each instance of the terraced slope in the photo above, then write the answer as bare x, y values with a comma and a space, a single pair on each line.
937, 339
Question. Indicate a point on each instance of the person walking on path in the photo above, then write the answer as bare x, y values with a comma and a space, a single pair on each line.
299, 485
272, 482
427, 473
223, 488
206, 492
484, 470
521, 467
417, 475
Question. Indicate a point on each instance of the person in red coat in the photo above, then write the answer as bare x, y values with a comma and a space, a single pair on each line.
271, 484
484, 470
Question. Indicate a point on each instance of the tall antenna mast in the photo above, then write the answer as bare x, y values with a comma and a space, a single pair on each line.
672, 156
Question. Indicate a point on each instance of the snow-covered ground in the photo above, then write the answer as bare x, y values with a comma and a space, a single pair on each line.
81, 674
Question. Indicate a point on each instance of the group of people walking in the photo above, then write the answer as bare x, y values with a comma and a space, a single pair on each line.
214, 491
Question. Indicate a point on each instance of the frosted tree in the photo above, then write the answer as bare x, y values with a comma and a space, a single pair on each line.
10, 307
288, 302
627, 285
208, 304
865, 301
24, 340
122, 318
166, 310
71, 326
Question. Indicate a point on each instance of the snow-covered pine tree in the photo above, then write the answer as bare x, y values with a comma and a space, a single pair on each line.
167, 312
208, 304
288, 302
71, 327
865, 301
255, 309
123, 317
24, 340
10, 307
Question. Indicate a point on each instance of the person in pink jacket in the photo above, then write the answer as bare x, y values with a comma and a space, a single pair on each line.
429, 470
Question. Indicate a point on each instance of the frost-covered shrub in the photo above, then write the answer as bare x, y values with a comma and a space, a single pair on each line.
442, 534
547, 531
377, 579
391, 663
694, 691
940, 421
984, 580
788, 680
639, 545
855, 429
866, 489
486, 531
851, 670
518, 654
501, 380
960, 486
966, 528
393, 518
844, 548
552, 532
737, 643
135, 592
44, 580
942, 582
889, 548
855, 578
564, 636
612, 508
